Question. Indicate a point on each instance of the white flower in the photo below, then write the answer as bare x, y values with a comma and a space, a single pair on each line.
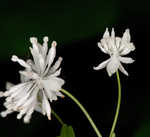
39, 83
116, 47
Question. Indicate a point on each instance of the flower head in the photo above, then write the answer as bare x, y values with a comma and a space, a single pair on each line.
115, 47
39, 82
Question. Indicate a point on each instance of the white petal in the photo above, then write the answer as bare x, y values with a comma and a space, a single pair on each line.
52, 95
27, 104
103, 49
41, 63
23, 78
38, 54
104, 44
5, 113
52, 84
26, 119
111, 45
112, 33
121, 68
46, 106
56, 65
51, 54
59, 94
9, 105
16, 93
52, 87
132, 47
36, 59
34, 42
106, 34
126, 35
126, 60
28, 115
1, 94
32, 64
30, 111
126, 48
43, 104
24, 99
49, 94
21, 62
29, 74
57, 73
9, 85
118, 40
14, 88
45, 39
50, 57
125, 51
102, 65
31, 100
112, 66
45, 45
38, 108
19, 116
22, 112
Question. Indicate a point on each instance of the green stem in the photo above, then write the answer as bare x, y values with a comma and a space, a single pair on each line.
84, 111
118, 105
57, 117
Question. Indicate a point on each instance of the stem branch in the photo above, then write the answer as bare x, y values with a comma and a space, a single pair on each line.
84, 111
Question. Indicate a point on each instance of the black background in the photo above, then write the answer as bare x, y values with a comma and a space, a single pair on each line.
96, 91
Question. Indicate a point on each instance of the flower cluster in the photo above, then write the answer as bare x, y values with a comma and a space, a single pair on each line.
116, 47
39, 82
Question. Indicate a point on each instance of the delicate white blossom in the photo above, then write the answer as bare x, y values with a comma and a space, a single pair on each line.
115, 47
39, 83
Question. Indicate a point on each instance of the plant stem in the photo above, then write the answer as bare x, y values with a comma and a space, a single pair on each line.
118, 105
57, 117
84, 111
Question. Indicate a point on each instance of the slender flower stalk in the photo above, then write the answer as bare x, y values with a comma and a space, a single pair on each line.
118, 105
57, 117
83, 110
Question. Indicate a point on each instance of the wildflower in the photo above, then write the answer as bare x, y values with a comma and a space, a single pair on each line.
39, 83
115, 47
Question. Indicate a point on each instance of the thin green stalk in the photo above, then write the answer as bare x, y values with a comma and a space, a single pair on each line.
84, 111
118, 105
57, 117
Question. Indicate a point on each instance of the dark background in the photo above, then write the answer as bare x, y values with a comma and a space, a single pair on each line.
77, 26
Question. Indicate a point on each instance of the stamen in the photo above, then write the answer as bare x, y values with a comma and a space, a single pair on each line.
49, 117
45, 39
14, 58
1, 94
20, 61
113, 33
33, 40
54, 43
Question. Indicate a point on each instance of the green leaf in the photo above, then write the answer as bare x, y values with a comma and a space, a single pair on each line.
67, 131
